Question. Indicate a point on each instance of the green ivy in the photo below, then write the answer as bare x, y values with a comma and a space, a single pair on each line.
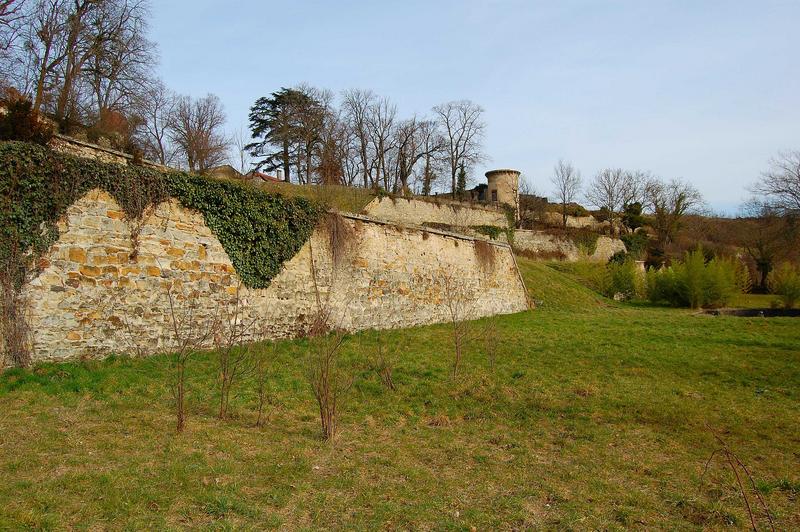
259, 231
492, 231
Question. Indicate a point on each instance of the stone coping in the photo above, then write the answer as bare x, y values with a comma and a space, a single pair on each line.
444, 202
420, 228
116, 153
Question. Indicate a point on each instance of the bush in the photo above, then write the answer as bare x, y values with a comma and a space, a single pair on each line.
694, 282
636, 243
585, 240
608, 279
623, 278
21, 122
785, 282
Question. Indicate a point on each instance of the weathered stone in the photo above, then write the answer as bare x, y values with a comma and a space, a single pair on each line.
77, 255
393, 279
89, 271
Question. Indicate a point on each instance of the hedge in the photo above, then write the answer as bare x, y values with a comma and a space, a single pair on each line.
259, 231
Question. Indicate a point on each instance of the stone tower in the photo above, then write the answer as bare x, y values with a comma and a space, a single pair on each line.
503, 187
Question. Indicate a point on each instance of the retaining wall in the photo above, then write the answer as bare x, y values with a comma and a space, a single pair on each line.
99, 294
419, 212
559, 248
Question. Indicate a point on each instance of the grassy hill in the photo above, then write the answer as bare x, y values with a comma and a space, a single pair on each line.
593, 415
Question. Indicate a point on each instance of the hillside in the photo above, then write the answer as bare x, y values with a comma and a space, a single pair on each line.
592, 415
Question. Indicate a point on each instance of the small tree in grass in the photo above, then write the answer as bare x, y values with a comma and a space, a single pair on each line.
458, 301
326, 374
234, 345
262, 359
190, 333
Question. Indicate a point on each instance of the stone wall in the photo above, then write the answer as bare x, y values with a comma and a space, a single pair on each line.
87, 150
559, 248
98, 294
575, 222
419, 212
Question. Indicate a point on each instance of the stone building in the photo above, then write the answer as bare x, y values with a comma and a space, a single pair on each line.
503, 186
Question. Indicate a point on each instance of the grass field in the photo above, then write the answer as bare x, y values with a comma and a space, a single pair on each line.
596, 415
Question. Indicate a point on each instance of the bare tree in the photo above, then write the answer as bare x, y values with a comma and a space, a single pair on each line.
415, 140
781, 183
156, 107
767, 236
567, 183
380, 125
669, 202
196, 129
463, 128
121, 67
43, 48
79, 58
234, 350
190, 333
458, 300
356, 105
607, 191
326, 373
241, 155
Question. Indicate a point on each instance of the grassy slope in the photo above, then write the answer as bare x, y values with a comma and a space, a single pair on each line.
596, 415
344, 199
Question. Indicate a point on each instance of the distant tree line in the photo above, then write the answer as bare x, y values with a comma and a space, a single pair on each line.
358, 139
625, 197
765, 233
89, 66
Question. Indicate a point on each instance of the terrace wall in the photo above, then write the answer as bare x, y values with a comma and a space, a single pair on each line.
419, 212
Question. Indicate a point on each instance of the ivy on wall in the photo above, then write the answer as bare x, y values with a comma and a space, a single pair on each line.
259, 231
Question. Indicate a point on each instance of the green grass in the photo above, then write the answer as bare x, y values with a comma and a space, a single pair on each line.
596, 415
344, 199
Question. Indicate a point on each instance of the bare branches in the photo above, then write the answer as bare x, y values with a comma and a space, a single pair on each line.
607, 191
566, 182
190, 333
781, 182
463, 128
669, 202
196, 129
234, 350
737, 467
156, 107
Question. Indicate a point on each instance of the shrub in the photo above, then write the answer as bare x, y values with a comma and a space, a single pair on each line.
623, 278
694, 282
785, 282
636, 243
719, 282
585, 240
21, 122
691, 279
492, 231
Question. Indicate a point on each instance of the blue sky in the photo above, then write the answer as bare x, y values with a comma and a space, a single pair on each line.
707, 91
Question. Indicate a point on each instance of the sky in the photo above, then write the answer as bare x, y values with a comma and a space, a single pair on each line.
706, 91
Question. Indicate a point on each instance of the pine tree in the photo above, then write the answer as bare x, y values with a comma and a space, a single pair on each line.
461, 186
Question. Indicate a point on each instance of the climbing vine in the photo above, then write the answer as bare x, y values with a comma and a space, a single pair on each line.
259, 231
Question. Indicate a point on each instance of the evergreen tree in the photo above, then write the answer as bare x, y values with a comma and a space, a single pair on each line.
281, 121
461, 185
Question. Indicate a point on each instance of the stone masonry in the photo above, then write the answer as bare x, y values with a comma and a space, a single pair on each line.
419, 212
549, 246
98, 293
